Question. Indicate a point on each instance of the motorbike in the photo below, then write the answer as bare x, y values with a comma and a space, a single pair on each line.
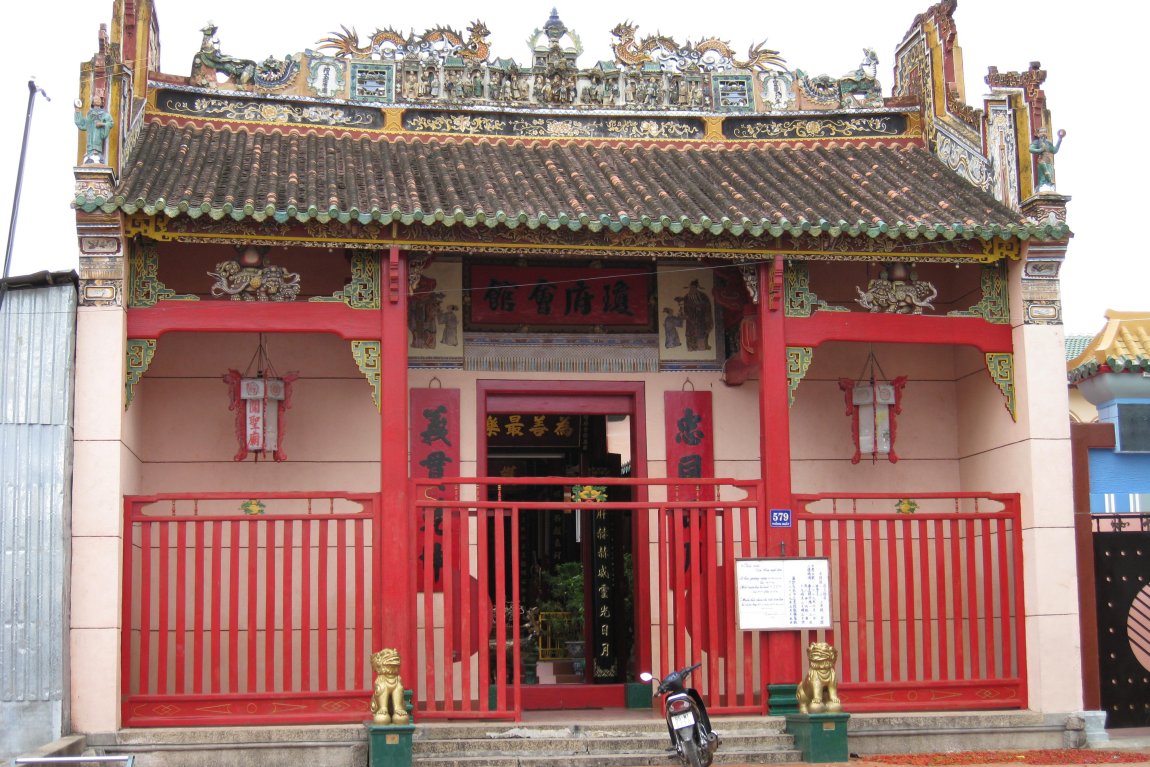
687, 721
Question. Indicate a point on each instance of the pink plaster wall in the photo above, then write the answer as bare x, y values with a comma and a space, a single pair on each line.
331, 437
927, 429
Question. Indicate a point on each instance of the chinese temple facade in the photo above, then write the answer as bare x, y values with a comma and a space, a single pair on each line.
505, 363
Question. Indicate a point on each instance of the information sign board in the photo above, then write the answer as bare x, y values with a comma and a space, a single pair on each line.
780, 594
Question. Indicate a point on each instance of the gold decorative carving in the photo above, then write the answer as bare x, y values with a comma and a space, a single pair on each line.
362, 292
367, 357
272, 112
1000, 365
144, 285
713, 129
798, 360
137, 359
818, 692
998, 249
393, 120
387, 699
818, 128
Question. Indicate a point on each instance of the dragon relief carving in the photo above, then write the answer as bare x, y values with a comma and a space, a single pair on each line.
391, 44
897, 290
710, 53
858, 88
252, 278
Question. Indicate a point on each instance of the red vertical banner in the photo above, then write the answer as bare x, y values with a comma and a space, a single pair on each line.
691, 455
434, 455
690, 440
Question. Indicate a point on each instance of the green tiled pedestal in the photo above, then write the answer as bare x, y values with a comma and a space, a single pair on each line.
821, 737
389, 745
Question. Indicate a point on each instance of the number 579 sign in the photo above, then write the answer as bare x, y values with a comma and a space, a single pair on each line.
780, 517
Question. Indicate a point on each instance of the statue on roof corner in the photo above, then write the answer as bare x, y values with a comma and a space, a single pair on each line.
97, 124
209, 61
1044, 151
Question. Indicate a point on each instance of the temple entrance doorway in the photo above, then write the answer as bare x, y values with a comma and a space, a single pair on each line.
576, 553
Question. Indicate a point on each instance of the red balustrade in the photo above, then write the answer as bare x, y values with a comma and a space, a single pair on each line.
927, 598
232, 617
269, 617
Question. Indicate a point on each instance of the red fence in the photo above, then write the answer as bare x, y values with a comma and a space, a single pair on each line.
683, 611
927, 598
239, 610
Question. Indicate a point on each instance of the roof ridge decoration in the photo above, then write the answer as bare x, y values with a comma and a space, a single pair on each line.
443, 66
1122, 346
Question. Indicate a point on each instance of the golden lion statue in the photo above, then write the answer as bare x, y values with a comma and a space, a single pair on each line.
387, 698
818, 693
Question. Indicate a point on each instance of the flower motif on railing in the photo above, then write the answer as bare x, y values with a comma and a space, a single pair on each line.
253, 507
588, 493
906, 506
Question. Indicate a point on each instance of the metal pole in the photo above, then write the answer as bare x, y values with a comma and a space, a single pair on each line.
33, 89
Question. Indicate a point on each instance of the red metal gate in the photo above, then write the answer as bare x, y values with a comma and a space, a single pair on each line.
240, 610
927, 598
684, 586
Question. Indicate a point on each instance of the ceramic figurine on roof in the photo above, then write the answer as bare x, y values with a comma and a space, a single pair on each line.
97, 124
854, 89
1044, 151
209, 62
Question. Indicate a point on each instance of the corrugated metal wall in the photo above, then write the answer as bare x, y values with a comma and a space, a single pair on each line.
37, 362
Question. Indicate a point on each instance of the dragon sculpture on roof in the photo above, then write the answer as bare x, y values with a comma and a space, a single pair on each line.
389, 43
709, 53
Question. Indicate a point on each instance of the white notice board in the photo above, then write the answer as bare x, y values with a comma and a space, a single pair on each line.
782, 594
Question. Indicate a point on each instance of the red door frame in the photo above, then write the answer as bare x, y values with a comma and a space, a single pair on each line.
583, 398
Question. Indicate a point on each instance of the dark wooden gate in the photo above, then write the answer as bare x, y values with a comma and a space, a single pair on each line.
1122, 587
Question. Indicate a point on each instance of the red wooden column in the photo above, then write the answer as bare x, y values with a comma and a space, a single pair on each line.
775, 456
395, 556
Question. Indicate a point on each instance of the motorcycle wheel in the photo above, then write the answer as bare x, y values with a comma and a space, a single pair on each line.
691, 753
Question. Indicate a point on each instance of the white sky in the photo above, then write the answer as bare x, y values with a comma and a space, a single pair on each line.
1088, 49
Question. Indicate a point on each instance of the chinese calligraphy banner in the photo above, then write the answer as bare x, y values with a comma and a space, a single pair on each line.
434, 455
558, 297
690, 443
528, 430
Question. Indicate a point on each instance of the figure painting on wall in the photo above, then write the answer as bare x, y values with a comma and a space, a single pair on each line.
689, 326
672, 321
435, 316
698, 317
450, 320
423, 313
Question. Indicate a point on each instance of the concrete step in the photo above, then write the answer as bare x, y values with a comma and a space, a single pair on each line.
625, 724
590, 744
745, 740
606, 738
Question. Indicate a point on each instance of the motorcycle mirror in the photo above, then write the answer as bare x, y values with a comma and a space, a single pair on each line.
646, 676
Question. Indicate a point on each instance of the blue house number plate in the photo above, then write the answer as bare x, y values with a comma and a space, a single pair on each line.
780, 517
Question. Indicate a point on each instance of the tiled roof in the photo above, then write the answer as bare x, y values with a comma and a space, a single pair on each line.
1075, 345
898, 189
1122, 346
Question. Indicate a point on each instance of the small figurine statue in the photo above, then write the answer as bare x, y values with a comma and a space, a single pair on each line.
818, 691
387, 699
1044, 152
97, 124
209, 61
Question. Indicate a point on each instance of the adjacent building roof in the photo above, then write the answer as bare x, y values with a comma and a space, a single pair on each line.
859, 188
1123, 345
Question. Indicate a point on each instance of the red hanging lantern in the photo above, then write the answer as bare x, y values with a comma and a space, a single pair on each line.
259, 399
872, 404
